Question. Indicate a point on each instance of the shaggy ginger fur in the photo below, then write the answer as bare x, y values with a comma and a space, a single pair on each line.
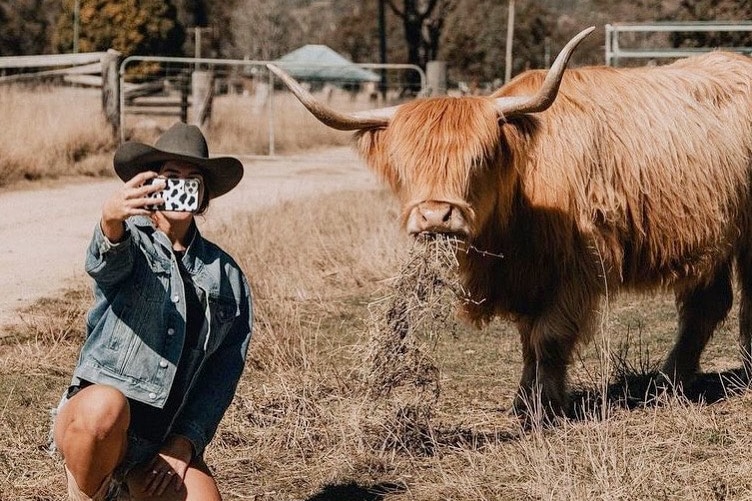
633, 178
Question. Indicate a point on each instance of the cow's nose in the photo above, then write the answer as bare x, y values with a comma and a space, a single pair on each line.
435, 214
436, 217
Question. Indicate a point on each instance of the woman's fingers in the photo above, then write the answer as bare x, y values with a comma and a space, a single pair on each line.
152, 477
158, 480
166, 479
143, 202
154, 481
137, 198
145, 189
140, 178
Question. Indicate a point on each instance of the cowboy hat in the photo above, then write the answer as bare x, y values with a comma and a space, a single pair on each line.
184, 143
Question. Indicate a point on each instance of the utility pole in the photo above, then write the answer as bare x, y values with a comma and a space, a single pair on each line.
510, 37
382, 49
76, 20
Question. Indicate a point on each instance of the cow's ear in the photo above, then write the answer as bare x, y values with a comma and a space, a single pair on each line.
372, 148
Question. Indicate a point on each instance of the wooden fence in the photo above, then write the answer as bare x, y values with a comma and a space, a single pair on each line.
160, 86
92, 69
102, 70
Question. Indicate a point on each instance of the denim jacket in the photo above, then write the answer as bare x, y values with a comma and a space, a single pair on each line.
136, 328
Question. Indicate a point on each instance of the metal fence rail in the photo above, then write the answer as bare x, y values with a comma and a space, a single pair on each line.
166, 86
615, 52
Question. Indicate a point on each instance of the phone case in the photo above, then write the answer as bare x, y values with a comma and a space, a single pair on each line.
179, 195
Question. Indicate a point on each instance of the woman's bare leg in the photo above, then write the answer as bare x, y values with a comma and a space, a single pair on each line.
91, 432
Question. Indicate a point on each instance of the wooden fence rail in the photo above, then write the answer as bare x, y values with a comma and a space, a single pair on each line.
95, 69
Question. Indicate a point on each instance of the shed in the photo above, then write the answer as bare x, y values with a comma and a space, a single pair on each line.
319, 63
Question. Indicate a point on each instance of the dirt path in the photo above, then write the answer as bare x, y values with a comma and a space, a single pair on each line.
44, 233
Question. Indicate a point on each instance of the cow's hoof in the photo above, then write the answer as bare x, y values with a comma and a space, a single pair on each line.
537, 413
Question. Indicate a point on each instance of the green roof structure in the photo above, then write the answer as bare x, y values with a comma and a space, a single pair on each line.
319, 63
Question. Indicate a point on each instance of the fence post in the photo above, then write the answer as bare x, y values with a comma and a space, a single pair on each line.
183, 83
202, 92
111, 89
436, 74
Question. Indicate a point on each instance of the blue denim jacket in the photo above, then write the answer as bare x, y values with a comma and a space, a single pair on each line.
135, 329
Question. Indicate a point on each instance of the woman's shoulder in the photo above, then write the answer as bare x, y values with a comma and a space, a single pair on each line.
212, 252
223, 266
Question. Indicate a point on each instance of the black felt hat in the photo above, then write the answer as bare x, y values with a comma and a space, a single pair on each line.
184, 143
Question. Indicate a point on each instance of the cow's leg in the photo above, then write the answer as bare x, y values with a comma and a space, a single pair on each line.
542, 390
745, 310
547, 346
701, 309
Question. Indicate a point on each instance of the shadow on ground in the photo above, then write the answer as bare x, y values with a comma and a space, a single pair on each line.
631, 390
354, 492
641, 390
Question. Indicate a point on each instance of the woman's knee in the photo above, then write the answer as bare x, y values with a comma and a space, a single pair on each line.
98, 411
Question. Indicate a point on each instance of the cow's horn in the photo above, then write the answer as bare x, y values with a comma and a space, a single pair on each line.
517, 105
370, 119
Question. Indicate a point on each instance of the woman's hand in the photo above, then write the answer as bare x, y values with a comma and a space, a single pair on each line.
169, 466
130, 200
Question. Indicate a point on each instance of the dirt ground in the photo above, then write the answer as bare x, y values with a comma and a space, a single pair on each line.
44, 232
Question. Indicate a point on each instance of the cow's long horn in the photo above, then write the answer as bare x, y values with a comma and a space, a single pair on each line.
517, 105
369, 119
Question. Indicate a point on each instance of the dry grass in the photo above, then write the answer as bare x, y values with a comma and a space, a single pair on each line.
239, 125
59, 131
418, 306
55, 132
318, 416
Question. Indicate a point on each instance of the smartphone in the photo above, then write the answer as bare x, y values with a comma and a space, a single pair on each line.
179, 194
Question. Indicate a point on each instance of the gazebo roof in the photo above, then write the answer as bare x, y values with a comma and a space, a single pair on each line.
321, 64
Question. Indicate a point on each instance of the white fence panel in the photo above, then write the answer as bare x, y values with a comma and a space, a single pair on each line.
648, 49
153, 88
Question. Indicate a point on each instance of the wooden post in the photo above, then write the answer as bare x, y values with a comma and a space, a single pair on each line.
436, 74
201, 96
111, 89
510, 38
183, 82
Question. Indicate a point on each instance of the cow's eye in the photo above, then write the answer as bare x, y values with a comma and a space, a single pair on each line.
479, 164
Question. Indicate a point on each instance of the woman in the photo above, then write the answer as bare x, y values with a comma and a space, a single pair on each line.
166, 337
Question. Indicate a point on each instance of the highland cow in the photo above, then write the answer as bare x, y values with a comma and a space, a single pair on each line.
566, 185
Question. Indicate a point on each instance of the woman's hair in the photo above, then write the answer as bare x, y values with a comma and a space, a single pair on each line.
204, 204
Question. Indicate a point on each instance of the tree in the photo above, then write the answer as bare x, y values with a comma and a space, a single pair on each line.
191, 14
357, 35
263, 30
423, 21
213, 18
474, 41
148, 27
26, 26
711, 10
474, 50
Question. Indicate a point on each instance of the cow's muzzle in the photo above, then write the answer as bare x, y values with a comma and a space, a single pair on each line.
437, 217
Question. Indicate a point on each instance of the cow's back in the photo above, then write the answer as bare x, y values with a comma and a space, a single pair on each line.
652, 163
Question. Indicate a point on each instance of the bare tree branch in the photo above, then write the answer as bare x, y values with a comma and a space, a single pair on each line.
395, 9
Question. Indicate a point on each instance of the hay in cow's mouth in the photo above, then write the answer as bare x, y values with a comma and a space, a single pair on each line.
417, 308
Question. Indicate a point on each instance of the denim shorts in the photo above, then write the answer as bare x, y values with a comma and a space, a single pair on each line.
139, 449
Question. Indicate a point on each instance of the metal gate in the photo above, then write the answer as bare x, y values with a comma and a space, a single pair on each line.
648, 41
229, 97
